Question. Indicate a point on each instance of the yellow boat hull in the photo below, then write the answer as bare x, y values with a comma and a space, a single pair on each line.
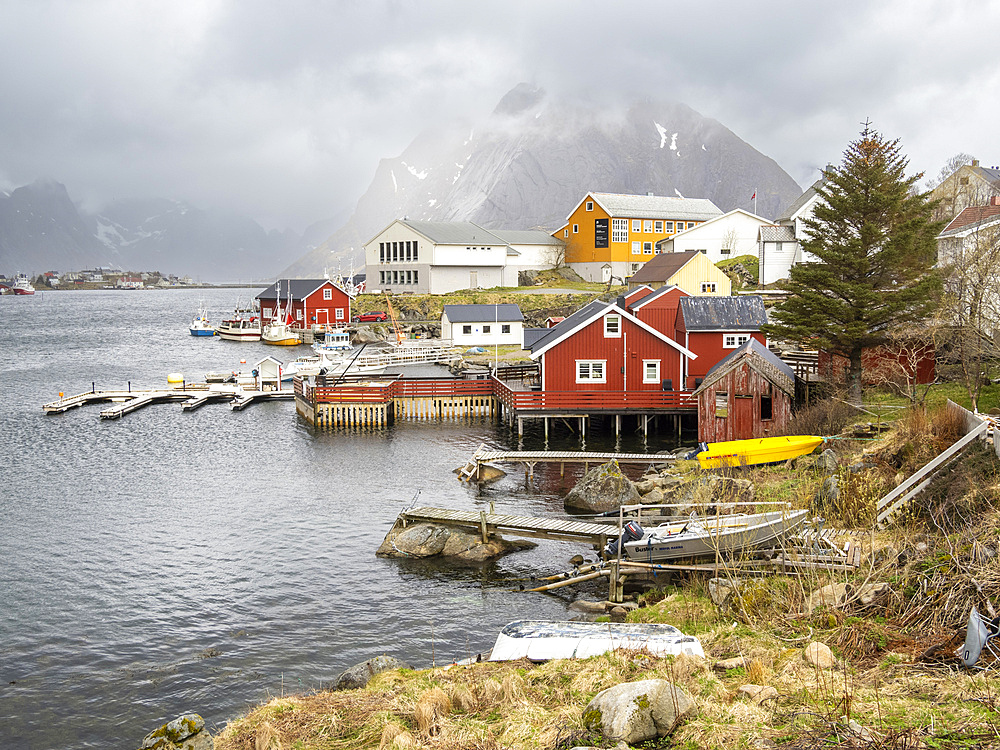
757, 451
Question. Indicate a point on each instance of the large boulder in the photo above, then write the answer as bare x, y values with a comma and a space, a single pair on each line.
359, 675
431, 540
635, 712
186, 732
711, 490
602, 489
365, 335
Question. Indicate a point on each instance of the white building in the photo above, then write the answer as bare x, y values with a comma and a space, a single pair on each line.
436, 257
482, 325
726, 236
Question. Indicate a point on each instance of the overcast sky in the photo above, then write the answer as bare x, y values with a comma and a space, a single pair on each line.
282, 110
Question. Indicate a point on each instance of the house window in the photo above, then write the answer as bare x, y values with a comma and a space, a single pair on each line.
415, 279
650, 371
619, 230
647, 248
590, 205
668, 227
690, 224
708, 287
327, 294
395, 277
466, 330
733, 340
766, 408
590, 371
486, 329
576, 229
727, 251
636, 224
659, 227
381, 277
381, 252
963, 180
505, 328
647, 225
566, 232
612, 326
339, 313
635, 248
415, 255
409, 277
721, 404
298, 314
395, 251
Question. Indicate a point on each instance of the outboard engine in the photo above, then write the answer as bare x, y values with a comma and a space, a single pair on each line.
631, 532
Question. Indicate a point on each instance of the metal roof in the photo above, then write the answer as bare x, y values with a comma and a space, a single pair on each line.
300, 288
757, 356
723, 313
531, 335
526, 237
505, 313
569, 323
453, 232
663, 266
656, 207
777, 234
801, 201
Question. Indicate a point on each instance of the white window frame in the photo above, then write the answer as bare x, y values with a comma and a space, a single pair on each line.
708, 287
670, 228
505, 328
327, 294
613, 331
734, 340
619, 230
636, 247
650, 371
565, 233
691, 224
647, 248
647, 226
576, 229
659, 226
487, 329
339, 313
466, 330
592, 371
590, 205
636, 224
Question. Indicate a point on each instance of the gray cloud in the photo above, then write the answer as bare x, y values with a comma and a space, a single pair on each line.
282, 111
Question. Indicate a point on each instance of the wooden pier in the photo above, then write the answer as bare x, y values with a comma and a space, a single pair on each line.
192, 396
488, 523
484, 455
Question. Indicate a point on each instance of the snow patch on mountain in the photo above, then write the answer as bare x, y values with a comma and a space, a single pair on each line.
663, 133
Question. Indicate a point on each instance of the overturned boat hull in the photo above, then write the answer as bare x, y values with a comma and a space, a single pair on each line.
757, 451
538, 640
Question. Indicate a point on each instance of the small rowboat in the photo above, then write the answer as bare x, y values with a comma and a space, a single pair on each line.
704, 537
757, 451
539, 641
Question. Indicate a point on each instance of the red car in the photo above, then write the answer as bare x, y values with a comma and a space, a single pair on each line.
371, 317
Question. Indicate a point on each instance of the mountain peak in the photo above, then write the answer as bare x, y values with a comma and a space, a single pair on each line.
521, 98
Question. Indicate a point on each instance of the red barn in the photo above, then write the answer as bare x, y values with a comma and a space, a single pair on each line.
314, 302
713, 327
746, 395
603, 347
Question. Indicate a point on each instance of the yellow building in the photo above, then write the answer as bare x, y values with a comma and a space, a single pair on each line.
691, 270
611, 234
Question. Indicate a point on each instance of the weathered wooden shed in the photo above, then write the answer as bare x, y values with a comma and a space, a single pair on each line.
746, 395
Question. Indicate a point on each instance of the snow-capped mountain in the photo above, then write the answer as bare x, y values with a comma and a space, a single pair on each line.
534, 159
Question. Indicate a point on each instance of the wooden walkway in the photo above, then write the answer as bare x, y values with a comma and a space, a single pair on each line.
192, 397
484, 455
526, 526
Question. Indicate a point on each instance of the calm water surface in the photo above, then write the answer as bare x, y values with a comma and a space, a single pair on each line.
205, 561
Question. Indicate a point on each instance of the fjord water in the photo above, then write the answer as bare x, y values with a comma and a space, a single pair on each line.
206, 561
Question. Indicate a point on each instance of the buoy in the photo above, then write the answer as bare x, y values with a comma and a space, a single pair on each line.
243, 361
175, 377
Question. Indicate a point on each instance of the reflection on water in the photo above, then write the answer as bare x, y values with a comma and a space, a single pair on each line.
204, 561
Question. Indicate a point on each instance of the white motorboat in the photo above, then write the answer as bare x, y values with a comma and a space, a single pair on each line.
540, 641
707, 536
201, 326
334, 342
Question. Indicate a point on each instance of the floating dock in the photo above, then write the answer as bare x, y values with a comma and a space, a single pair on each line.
489, 523
191, 396
484, 455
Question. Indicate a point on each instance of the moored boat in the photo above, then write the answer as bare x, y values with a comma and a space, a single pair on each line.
338, 341
757, 450
239, 329
279, 333
22, 286
201, 326
709, 536
541, 641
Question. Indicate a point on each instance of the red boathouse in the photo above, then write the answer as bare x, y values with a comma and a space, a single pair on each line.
314, 302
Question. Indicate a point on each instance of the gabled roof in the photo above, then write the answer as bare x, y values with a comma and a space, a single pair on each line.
300, 288
777, 234
654, 295
504, 313
587, 315
811, 192
526, 237
662, 267
970, 219
453, 232
723, 313
990, 174
634, 295
701, 227
531, 335
623, 206
757, 356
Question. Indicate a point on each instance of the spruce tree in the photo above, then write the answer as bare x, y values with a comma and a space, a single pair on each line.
874, 240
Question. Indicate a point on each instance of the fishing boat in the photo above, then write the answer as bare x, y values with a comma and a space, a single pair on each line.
243, 326
726, 535
334, 342
201, 326
22, 286
279, 331
757, 451
540, 641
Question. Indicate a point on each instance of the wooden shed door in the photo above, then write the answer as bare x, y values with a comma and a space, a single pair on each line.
742, 417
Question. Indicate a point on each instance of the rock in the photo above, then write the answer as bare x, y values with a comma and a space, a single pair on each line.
712, 490
645, 486
819, 655
576, 560
582, 605
870, 593
618, 614
365, 335
359, 675
724, 665
758, 693
653, 497
860, 466
635, 712
602, 489
831, 595
721, 589
429, 540
829, 493
487, 474
887, 555
186, 732
827, 461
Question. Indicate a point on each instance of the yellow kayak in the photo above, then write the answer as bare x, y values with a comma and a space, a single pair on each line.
757, 451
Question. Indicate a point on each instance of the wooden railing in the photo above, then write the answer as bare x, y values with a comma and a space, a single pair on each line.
591, 401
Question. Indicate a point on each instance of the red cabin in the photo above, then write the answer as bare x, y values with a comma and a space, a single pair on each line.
314, 302
657, 308
714, 327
